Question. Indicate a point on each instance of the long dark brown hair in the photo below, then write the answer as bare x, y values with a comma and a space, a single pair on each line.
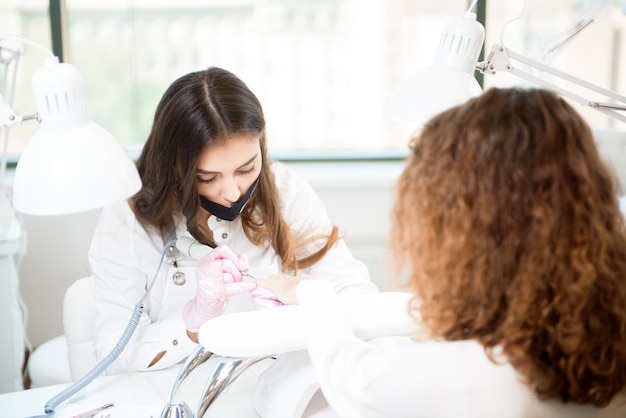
200, 110
508, 220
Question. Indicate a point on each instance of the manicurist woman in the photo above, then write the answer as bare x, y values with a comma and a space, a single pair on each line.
206, 176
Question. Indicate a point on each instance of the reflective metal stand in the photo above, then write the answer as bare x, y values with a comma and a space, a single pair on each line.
225, 372
180, 409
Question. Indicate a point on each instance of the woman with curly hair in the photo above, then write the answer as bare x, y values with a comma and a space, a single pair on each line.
507, 221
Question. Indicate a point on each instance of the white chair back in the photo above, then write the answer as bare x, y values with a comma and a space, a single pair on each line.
78, 323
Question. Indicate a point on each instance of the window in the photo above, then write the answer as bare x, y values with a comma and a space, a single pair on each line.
322, 69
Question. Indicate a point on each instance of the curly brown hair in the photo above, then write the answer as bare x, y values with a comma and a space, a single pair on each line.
508, 221
200, 110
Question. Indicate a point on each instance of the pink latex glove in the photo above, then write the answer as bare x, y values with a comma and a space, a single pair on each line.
218, 277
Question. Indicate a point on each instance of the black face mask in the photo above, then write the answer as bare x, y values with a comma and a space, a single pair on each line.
231, 213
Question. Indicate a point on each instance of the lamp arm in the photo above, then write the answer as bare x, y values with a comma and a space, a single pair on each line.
580, 25
25, 41
8, 116
500, 59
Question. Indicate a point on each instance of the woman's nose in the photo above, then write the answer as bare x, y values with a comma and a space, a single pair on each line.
231, 191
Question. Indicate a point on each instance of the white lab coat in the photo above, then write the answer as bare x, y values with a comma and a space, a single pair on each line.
124, 258
401, 378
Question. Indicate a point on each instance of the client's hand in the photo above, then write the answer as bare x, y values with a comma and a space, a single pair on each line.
218, 277
281, 287
262, 298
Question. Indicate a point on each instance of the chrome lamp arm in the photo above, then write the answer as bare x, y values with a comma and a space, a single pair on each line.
9, 117
502, 59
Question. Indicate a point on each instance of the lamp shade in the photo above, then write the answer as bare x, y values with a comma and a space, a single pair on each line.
447, 82
71, 164
429, 92
73, 170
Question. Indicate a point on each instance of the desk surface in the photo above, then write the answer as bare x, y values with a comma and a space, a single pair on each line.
142, 395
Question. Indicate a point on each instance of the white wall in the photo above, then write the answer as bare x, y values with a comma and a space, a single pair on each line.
358, 196
56, 255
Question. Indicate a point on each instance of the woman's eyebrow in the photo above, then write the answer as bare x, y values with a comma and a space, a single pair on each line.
200, 171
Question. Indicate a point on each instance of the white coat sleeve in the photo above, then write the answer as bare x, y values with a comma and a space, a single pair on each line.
346, 366
123, 259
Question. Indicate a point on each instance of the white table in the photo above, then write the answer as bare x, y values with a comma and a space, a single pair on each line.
145, 394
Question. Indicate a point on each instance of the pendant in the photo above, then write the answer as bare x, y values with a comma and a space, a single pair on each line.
173, 255
179, 278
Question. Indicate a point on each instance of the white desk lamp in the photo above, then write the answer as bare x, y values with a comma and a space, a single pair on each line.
449, 82
70, 165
